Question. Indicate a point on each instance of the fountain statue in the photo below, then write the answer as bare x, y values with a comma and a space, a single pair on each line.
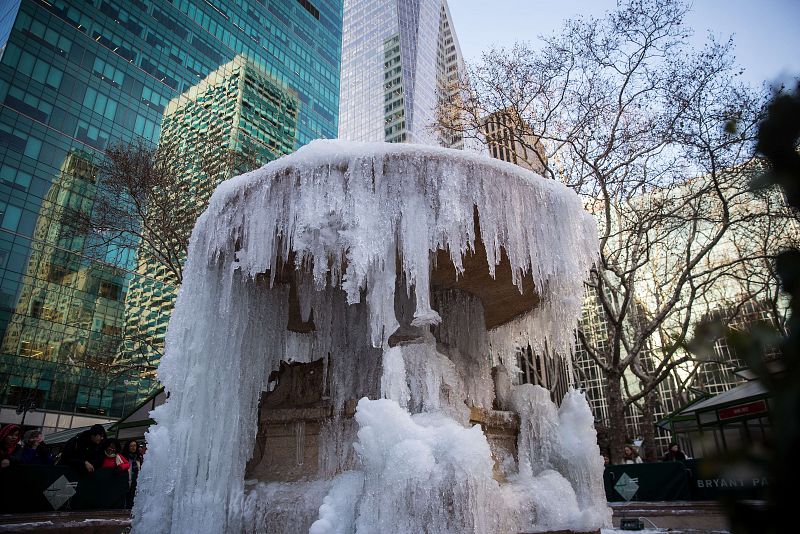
341, 358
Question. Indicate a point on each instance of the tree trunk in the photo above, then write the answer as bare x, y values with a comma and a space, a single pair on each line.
616, 417
648, 428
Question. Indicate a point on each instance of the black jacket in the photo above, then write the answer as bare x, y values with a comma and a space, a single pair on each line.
674, 457
80, 449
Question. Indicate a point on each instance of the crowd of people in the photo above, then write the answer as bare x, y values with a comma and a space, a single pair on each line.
630, 455
27, 448
87, 452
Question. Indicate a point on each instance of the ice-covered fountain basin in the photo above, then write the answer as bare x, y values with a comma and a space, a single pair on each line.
351, 237
449, 218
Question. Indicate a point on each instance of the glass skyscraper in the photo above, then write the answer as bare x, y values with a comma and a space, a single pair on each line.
8, 12
78, 76
398, 59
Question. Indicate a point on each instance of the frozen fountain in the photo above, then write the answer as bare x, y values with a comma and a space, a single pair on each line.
341, 355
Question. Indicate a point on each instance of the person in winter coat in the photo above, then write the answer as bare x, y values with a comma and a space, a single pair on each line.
131, 453
630, 455
83, 452
111, 457
33, 451
674, 454
9, 444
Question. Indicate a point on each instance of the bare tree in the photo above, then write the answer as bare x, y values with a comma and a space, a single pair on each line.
138, 202
657, 138
144, 200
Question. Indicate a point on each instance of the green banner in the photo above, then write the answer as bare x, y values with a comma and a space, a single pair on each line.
696, 480
713, 481
667, 481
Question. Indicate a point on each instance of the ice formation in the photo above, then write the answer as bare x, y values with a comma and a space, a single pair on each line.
342, 241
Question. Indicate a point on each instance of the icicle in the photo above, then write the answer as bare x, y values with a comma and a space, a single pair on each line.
580, 461
393, 380
299, 442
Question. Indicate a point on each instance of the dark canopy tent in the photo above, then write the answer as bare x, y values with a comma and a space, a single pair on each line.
723, 422
132, 426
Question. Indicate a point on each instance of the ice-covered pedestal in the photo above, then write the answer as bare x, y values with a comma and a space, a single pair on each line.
340, 356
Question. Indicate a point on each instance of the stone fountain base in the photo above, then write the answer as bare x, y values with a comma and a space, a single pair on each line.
293, 416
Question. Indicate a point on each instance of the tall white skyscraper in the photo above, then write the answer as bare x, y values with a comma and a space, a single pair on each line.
397, 59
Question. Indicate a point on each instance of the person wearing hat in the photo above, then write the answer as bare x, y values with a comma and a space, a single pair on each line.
674, 454
82, 452
9, 444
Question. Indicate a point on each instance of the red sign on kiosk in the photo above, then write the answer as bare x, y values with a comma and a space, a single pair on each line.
750, 408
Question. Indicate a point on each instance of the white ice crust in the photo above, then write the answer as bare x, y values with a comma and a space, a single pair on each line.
368, 203
351, 214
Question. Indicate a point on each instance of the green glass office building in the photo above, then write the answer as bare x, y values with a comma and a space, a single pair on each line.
235, 119
77, 76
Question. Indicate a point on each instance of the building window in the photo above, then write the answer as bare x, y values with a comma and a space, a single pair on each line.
10, 218
310, 8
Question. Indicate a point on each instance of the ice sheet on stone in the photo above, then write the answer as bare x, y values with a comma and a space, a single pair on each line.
412, 464
338, 510
428, 473
557, 448
282, 508
394, 383
580, 461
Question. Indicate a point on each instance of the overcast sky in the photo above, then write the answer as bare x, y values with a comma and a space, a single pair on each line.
765, 32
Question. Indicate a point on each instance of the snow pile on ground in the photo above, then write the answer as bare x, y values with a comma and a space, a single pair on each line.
363, 220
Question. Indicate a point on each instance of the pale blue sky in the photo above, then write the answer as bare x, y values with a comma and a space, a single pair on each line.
766, 32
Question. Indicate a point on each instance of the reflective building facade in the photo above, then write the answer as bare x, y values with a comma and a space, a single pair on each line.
76, 77
235, 119
397, 59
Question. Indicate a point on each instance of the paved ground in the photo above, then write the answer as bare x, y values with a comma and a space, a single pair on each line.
675, 517
98, 522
